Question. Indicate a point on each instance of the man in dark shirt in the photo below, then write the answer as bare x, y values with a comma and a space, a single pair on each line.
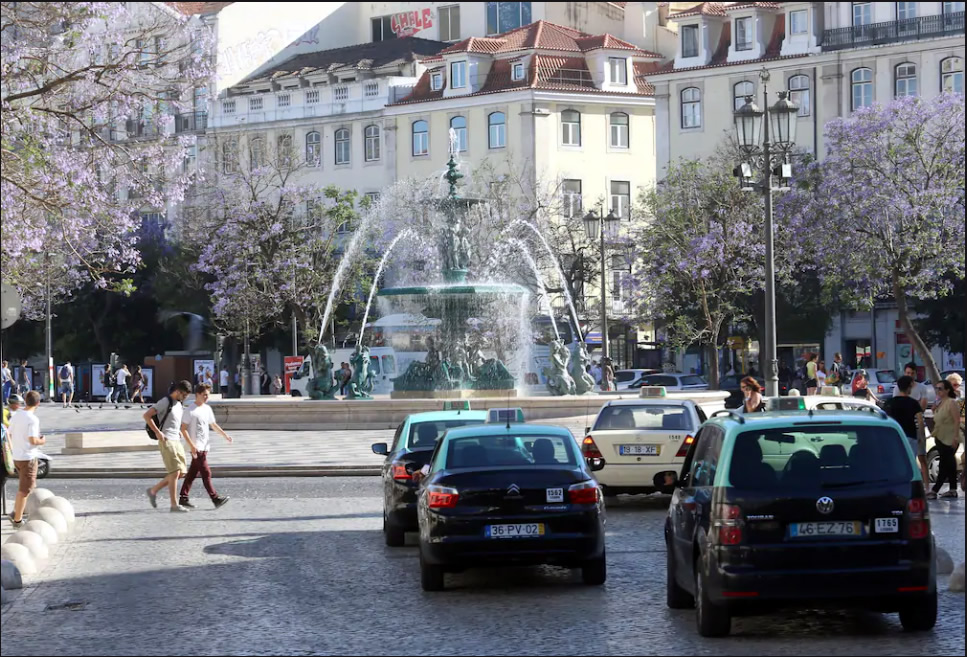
909, 415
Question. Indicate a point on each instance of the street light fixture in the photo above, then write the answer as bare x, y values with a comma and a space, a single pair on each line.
597, 228
751, 124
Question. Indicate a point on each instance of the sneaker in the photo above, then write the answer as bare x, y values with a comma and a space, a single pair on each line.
178, 509
185, 503
153, 498
950, 494
17, 524
220, 501
931, 495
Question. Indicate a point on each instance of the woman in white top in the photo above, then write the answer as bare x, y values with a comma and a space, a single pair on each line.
821, 376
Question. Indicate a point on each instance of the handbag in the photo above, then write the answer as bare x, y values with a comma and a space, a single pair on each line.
154, 419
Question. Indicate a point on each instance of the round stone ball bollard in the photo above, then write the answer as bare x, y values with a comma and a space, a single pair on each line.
945, 565
10, 575
54, 518
32, 541
48, 533
61, 504
36, 499
19, 556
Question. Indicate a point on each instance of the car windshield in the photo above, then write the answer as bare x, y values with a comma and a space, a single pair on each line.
819, 456
647, 417
885, 376
623, 376
423, 435
509, 450
693, 381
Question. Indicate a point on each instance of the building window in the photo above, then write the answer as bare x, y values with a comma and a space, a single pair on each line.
691, 108
906, 80
191, 154
372, 143
862, 83
517, 71
459, 126
342, 146
571, 128
284, 100
340, 94
573, 206
948, 7
906, 10
228, 106
621, 198
503, 16
421, 138
230, 156
283, 144
449, 18
313, 144
255, 104
382, 28
371, 89
799, 93
952, 75
619, 130
458, 75
797, 22
256, 153
312, 96
862, 13
740, 91
436, 81
496, 130
743, 33
689, 40
619, 70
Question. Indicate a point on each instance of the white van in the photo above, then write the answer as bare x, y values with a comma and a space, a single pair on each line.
382, 363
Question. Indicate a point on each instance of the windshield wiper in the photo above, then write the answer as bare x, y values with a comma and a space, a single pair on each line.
846, 484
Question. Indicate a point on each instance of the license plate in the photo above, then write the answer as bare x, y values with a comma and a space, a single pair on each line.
639, 450
555, 495
515, 531
887, 525
826, 528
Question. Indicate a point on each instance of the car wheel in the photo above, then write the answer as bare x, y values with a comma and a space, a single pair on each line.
594, 572
431, 576
933, 465
920, 615
675, 596
712, 620
43, 468
393, 534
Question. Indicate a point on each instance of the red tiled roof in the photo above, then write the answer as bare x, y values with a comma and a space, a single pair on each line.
702, 9
608, 41
544, 35
196, 8
475, 44
757, 5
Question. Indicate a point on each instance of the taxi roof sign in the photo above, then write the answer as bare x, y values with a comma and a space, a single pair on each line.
505, 415
830, 391
786, 404
456, 405
653, 391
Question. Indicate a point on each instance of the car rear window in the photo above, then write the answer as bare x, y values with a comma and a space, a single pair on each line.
423, 435
651, 416
819, 456
885, 376
659, 381
622, 376
693, 381
509, 451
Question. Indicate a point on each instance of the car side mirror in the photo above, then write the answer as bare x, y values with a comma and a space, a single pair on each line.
380, 448
596, 464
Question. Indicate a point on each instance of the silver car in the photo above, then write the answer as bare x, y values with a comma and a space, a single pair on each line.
676, 381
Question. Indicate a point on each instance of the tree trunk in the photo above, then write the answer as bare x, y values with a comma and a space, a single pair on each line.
933, 373
713, 359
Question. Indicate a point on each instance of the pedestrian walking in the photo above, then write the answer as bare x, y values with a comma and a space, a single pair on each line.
752, 391
121, 385
861, 387
277, 385
25, 438
169, 431
265, 382
957, 382
7, 381
197, 423
223, 377
238, 381
607, 375
65, 379
918, 392
812, 367
821, 376
596, 371
108, 381
14, 404
347, 375
137, 385
908, 413
24, 384
946, 433
836, 376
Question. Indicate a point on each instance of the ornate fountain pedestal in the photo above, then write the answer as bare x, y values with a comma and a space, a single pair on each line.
454, 394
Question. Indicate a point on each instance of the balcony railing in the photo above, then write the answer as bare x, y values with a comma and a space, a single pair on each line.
570, 77
909, 29
191, 122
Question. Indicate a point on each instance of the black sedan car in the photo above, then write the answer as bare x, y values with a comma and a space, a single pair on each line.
510, 494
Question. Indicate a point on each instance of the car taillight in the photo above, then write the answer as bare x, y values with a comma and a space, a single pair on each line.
400, 473
683, 450
441, 497
728, 524
881, 389
587, 492
918, 518
589, 449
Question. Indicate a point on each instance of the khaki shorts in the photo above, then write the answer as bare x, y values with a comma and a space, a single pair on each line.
27, 472
174, 456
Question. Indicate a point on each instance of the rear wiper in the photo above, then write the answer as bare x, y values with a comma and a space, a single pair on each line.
846, 484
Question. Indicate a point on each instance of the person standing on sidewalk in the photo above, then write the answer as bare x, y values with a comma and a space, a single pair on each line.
811, 368
23, 379
917, 391
946, 432
198, 422
7, 381
137, 384
908, 413
108, 381
170, 411
65, 378
25, 438
223, 381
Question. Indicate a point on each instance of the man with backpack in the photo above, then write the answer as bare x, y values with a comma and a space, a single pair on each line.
168, 431
65, 378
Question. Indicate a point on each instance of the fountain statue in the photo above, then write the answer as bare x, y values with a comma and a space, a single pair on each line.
559, 381
361, 383
580, 359
323, 385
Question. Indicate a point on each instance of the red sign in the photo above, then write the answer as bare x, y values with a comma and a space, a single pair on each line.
410, 22
292, 365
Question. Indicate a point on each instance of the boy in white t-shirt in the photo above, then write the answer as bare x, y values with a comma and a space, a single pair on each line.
198, 421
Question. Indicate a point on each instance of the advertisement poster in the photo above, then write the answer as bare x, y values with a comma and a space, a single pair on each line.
203, 371
292, 365
98, 389
149, 394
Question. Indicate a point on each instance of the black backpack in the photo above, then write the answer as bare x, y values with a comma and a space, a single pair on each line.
64, 372
164, 418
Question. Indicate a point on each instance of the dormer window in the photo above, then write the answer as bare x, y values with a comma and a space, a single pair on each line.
619, 70
436, 81
458, 75
517, 72
797, 22
689, 40
743, 33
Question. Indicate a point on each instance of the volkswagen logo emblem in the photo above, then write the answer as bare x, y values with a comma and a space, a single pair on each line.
824, 505
513, 490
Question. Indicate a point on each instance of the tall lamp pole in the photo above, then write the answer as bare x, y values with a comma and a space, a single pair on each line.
596, 228
749, 125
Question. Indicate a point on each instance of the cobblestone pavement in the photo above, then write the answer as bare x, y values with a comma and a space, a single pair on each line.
298, 566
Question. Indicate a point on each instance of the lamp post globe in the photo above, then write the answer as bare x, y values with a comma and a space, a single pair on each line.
783, 116
592, 224
748, 125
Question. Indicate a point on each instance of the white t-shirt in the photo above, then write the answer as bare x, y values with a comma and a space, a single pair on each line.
23, 426
122, 377
7, 375
199, 420
223, 378
70, 373
820, 378
917, 391
172, 425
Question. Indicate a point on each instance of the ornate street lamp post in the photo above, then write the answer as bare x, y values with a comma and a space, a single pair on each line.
749, 127
597, 228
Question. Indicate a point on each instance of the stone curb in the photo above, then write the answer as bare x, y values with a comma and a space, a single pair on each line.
241, 471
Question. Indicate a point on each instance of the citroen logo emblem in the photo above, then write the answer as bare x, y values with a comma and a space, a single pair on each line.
513, 490
824, 505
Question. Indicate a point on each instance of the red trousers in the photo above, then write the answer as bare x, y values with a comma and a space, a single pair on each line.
199, 465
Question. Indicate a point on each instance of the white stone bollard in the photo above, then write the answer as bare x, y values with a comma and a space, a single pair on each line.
61, 504
10, 575
54, 518
945, 565
36, 498
32, 541
19, 555
48, 533
957, 579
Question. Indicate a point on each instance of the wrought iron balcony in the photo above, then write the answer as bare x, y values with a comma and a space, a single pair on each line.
908, 29
191, 122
